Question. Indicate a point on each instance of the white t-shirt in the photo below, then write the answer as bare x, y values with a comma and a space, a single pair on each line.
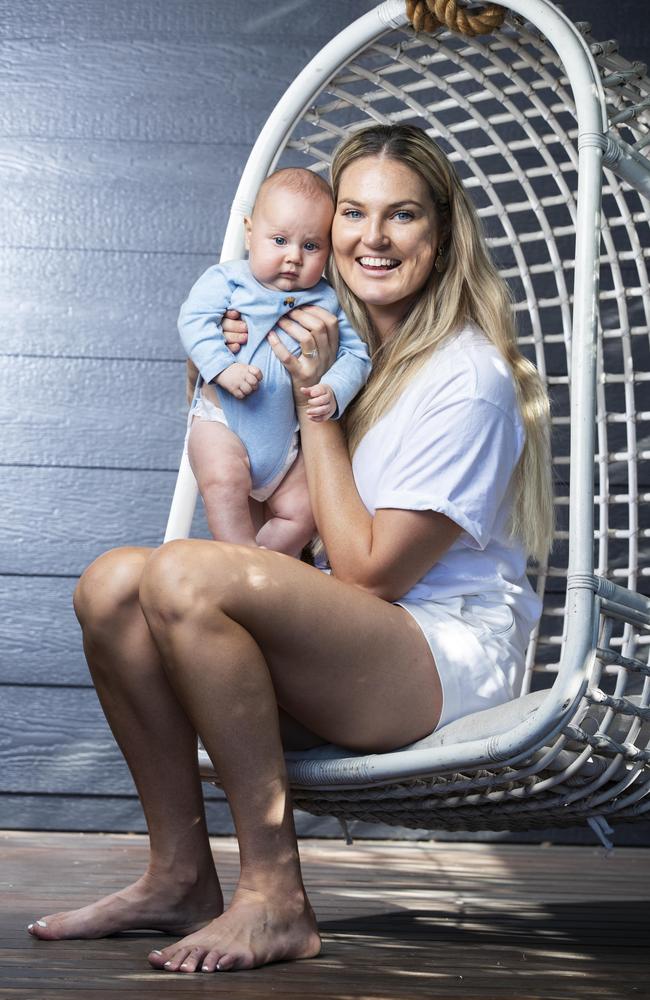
450, 443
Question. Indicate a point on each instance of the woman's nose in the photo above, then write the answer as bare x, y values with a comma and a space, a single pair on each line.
374, 234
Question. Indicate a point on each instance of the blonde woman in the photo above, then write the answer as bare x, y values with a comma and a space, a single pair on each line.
427, 529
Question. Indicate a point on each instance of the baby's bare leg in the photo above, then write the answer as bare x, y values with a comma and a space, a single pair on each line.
222, 469
291, 524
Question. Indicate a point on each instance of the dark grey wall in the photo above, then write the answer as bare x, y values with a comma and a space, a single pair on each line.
124, 127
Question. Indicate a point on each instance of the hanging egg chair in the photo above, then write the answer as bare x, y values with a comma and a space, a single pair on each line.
549, 130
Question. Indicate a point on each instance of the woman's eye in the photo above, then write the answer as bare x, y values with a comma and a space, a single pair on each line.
279, 241
352, 213
403, 216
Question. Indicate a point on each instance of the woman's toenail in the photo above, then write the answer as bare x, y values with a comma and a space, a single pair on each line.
29, 927
167, 964
41, 923
156, 952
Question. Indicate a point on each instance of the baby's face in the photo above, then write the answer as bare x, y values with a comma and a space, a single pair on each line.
288, 239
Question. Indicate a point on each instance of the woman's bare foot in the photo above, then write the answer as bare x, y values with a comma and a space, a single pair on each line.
154, 902
255, 929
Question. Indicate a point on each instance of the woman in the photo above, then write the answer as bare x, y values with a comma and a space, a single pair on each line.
448, 491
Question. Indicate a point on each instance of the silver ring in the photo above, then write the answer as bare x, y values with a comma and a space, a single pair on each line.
310, 354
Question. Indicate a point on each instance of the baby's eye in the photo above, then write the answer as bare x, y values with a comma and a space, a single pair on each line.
279, 241
310, 247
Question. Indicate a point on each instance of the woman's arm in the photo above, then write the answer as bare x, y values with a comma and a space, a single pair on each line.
385, 554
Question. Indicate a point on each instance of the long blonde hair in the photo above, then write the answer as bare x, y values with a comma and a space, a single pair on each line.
468, 289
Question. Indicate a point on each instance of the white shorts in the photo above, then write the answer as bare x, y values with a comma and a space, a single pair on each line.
205, 409
479, 646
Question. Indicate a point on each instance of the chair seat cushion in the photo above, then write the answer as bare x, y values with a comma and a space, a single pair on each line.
479, 726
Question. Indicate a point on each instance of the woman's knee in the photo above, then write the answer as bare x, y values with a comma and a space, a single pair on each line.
174, 583
109, 586
186, 581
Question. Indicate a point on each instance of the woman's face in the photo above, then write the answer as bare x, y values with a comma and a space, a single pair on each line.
384, 235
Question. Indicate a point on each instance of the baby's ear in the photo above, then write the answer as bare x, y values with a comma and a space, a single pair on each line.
247, 231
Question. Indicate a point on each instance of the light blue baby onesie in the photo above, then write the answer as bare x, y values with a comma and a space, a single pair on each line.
266, 420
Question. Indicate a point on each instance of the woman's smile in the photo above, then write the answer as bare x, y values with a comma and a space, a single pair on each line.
378, 264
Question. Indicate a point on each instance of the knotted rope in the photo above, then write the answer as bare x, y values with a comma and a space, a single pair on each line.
429, 15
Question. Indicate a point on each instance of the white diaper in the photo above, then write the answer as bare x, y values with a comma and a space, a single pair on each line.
204, 409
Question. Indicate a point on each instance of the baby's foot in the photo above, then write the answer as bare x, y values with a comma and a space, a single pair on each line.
254, 930
151, 903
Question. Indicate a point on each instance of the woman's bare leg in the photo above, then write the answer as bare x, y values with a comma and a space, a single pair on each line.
368, 683
180, 889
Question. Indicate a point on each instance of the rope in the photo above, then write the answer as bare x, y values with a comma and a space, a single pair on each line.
429, 15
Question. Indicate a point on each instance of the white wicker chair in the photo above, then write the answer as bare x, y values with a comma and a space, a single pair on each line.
530, 115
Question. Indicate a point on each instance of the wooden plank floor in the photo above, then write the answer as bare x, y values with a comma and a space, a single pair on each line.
399, 920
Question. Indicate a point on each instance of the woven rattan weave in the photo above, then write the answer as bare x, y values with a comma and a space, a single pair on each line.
522, 114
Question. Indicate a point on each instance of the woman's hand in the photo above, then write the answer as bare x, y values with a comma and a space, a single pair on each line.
235, 331
317, 332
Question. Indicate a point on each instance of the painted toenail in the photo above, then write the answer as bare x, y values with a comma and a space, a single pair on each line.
41, 923
167, 964
156, 952
204, 968
29, 927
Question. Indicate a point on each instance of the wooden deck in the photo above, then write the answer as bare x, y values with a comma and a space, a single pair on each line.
399, 920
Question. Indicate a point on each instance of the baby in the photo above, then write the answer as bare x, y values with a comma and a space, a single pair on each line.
243, 439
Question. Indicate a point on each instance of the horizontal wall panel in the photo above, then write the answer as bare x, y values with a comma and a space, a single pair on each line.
40, 638
144, 20
62, 411
57, 740
148, 91
94, 813
56, 521
96, 304
116, 195
124, 815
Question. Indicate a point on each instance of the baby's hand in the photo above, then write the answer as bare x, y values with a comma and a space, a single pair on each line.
239, 380
321, 402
